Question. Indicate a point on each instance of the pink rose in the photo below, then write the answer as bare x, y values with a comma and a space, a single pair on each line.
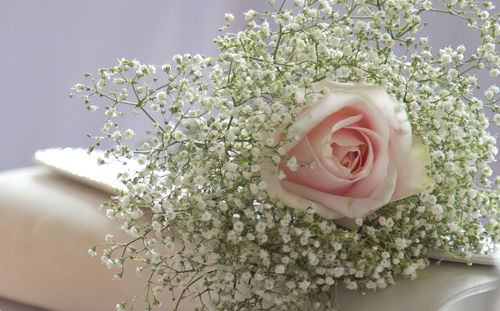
353, 152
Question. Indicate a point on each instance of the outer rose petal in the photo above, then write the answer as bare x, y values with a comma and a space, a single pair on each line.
269, 174
412, 175
330, 104
330, 205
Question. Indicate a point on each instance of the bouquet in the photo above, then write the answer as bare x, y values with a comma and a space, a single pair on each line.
326, 145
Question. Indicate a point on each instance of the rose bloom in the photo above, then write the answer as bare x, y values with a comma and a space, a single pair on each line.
352, 152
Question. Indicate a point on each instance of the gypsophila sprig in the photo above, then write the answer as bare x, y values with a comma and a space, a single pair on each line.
199, 213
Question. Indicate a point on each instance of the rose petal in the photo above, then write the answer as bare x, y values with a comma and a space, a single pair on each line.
350, 158
347, 137
412, 174
331, 205
323, 135
368, 102
275, 190
375, 169
314, 115
335, 102
319, 178
396, 117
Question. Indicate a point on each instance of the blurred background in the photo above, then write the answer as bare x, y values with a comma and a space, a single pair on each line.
47, 45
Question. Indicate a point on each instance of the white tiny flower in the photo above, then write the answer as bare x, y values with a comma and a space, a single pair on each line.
161, 95
177, 58
223, 206
453, 227
78, 87
246, 276
109, 238
206, 216
338, 272
292, 164
313, 260
133, 232
352, 285
304, 285
489, 94
156, 226
411, 271
179, 136
199, 180
260, 227
92, 252
128, 133
400, 243
496, 119
472, 193
238, 226
381, 283
359, 221
290, 285
136, 214
116, 135
249, 15
118, 81
109, 263
445, 58
110, 213
155, 107
123, 95
279, 269
110, 112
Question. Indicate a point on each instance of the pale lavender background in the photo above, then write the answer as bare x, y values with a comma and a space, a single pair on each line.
46, 46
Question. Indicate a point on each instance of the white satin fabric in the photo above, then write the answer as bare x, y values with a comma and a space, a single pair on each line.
48, 222
47, 225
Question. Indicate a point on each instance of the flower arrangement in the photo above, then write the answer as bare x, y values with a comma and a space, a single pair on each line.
327, 144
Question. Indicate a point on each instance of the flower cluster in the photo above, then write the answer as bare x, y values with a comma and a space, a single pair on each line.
202, 215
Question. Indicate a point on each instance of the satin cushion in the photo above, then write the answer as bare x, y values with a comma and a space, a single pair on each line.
48, 222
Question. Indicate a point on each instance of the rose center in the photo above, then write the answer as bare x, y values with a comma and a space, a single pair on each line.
352, 158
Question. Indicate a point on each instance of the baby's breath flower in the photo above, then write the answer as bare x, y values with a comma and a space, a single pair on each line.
198, 205
79, 87
128, 133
